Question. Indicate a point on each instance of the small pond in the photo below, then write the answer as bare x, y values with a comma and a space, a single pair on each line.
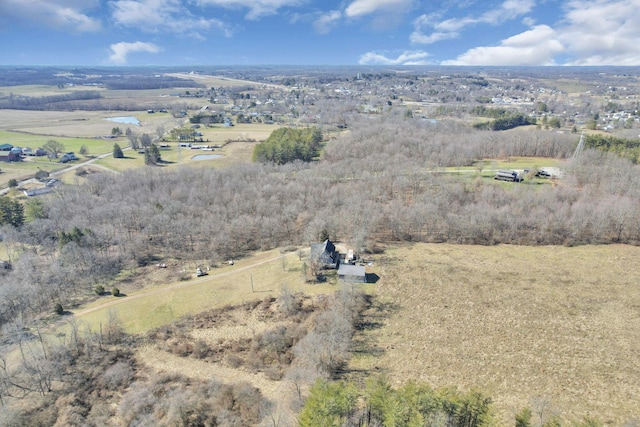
127, 120
206, 156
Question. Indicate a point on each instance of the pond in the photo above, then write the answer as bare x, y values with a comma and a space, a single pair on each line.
206, 156
127, 120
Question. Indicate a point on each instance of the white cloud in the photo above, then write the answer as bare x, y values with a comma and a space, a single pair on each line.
450, 28
603, 32
385, 13
63, 15
327, 21
257, 8
405, 58
537, 46
162, 15
359, 8
120, 51
590, 32
510, 9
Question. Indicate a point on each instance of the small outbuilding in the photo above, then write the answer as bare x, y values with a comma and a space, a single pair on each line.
352, 273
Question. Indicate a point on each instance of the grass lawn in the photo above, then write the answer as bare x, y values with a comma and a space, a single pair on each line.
94, 145
141, 310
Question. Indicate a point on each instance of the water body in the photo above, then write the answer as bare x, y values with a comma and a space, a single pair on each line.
127, 120
206, 156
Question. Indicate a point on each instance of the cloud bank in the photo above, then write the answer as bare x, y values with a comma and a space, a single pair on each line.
120, 51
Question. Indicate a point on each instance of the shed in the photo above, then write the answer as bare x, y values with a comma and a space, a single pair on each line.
352, 273
37, 191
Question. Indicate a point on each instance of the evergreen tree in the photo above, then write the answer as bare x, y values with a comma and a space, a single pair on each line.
11, 212
117, 152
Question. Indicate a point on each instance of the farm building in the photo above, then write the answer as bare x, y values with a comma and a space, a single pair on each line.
325, 254
352, 273
508, 175
9, 154
37, 191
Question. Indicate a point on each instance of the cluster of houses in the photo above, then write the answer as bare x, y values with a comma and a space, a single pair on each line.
326, 256
9, 153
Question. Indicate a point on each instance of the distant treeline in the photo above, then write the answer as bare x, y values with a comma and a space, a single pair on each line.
149, 82
201, 118
52, 102
623, 147
503, 119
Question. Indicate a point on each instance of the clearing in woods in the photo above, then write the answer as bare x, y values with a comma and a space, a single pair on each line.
523, 324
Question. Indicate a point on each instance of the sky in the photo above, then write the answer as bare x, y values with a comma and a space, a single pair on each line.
313, 32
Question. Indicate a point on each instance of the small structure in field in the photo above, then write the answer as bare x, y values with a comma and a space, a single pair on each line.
352, 273
38, 191
508, 175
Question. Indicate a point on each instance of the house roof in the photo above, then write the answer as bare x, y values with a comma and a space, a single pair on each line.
351, 270
327, 247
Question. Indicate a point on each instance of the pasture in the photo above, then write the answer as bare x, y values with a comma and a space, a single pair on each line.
527, 325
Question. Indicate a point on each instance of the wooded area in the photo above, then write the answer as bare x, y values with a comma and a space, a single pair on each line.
375, 159
385, 181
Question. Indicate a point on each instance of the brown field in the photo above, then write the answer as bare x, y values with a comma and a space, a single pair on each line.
521, 323
79, 124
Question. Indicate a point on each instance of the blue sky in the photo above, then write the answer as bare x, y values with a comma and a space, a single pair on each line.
330, 32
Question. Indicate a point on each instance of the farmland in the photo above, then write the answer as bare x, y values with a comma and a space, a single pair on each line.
525, 324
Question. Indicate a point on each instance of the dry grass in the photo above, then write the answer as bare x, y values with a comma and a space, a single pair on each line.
155, 305
518, 322
164, 362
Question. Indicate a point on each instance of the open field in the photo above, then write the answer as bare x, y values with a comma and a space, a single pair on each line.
171, 298
521, 323
217, 81
80, 124
95, 145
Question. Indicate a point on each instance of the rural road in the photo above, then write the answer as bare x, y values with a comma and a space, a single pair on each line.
68, 168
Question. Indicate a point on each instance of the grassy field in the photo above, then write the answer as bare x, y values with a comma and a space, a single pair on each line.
95, 145
143, 309
552, 324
